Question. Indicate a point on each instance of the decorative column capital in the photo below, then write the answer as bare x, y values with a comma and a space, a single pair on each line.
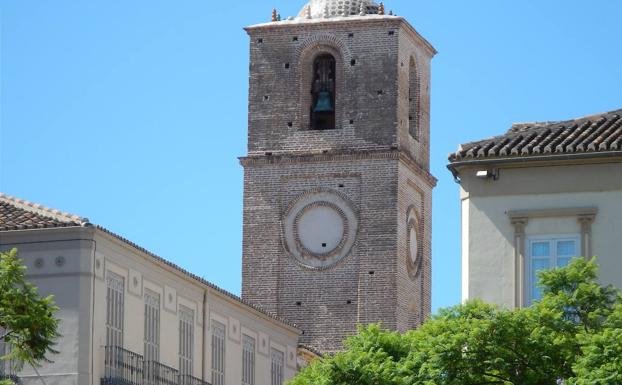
519, 224
586, 221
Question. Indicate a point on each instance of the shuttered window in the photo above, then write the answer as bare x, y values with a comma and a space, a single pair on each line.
248, 360
114, 313
152, 326
277, 367
218, 353
186, 341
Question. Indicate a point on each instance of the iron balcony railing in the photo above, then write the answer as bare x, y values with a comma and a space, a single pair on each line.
123, 367
7, 370
159, 374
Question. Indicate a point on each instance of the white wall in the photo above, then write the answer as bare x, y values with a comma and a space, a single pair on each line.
488, 255
79, 287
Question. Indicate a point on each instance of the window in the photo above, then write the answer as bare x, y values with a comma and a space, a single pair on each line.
186, 341
277, 367
413, 101
218, 353
248, 360
152, 326
114, 313
323, 93
547, 252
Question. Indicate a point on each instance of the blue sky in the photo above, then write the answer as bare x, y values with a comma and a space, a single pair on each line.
133, 113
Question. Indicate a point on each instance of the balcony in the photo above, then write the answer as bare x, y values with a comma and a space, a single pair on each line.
123, 367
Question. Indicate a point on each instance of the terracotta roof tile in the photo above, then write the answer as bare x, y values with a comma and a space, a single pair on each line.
596, 133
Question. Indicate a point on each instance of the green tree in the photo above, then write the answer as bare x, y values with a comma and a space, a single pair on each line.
27, 320
573, 336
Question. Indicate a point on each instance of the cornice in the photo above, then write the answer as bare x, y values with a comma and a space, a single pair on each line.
331, 23
264, 160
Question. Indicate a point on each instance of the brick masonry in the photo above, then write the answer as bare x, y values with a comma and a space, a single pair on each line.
371, 158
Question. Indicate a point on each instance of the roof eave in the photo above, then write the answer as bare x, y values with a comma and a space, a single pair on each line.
455, 166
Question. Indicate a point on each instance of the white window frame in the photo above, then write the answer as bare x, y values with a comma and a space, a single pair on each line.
219, 340
553, 239
115, 302
248, 360
152, 326
186, 341
277, 366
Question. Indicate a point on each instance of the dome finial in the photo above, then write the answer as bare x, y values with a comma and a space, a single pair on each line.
381, 9
324, 9
308, 12
274, 14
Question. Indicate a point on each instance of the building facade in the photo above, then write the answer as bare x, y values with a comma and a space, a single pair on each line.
131, 317
337, 188
536, 197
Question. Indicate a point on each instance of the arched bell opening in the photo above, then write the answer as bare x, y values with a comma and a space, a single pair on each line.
323, 95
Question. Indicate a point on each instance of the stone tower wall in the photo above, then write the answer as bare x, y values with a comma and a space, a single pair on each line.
326, 303
367, 53
371, 162
414, 285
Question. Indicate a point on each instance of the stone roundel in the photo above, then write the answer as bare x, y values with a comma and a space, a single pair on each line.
320, 228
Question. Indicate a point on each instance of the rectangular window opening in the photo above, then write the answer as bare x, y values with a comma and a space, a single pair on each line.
546, 252
186, 341
218, 353
152, 326
115, 295
277, 367
248, 360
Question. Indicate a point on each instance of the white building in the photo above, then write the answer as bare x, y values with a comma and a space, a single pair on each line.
535, 197
131, 317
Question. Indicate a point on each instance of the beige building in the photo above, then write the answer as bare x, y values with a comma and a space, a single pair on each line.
535, 197
131, 317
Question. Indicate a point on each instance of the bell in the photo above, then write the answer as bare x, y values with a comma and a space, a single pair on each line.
324, 103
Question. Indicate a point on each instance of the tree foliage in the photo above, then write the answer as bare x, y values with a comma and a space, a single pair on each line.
572, 336
27, 320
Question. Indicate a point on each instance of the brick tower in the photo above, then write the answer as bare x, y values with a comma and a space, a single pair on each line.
337, 188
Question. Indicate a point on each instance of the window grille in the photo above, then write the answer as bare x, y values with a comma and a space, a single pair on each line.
152, 326
248, 360
114, 314
186, 341
277, 367
218, 353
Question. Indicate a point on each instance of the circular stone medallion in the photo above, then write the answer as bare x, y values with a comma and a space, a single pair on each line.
414, 246
320, 228
414, 257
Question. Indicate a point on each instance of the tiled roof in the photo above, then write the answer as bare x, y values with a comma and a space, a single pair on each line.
18, 214
591, 134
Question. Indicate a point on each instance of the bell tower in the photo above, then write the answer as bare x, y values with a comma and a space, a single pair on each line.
337, 188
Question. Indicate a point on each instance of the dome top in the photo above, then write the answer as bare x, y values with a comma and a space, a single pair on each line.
319, 9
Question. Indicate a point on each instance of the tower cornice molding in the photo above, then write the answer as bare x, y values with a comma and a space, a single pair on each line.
264, 160
395, 21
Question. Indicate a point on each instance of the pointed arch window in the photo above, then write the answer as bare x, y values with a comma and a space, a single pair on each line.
323, 93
